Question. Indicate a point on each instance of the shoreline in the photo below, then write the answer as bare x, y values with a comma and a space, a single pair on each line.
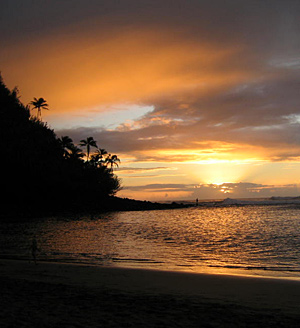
146, 297
224, 272
117, 204
107, 205
261, 273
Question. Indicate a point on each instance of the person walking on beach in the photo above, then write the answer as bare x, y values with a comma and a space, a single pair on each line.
34, 249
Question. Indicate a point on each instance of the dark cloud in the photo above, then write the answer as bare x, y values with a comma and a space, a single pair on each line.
214, 191
125, 169
244, 190
259, 18
156, 187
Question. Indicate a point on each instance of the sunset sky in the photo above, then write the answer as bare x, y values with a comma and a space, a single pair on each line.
199, 99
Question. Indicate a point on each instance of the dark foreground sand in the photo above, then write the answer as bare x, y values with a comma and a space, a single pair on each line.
62, 295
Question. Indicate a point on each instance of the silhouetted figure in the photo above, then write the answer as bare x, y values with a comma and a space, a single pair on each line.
197, 202
34, 249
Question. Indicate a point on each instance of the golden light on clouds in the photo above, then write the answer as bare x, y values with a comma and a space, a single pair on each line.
211, 91
129, 67
209, 153
219, 173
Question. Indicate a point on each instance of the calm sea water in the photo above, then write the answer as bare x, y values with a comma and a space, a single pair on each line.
251, 240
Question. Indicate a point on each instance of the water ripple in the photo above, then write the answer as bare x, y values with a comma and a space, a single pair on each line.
263, 238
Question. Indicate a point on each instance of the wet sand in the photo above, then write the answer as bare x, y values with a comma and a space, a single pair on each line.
64, 295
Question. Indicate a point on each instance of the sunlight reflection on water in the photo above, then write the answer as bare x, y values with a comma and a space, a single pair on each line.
256, 240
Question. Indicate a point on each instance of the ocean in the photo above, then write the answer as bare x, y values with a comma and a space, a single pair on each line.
243, 240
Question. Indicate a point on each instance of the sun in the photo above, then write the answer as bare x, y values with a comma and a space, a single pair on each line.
217, 182
218, 173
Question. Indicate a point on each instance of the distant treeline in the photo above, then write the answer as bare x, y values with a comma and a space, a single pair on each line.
43, 174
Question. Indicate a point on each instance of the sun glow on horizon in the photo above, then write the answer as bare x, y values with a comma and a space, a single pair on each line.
218, 182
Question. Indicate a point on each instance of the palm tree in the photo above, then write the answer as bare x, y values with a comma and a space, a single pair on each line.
112, 160
66, 144
97, 159
75, 152
88, 143
100, 152
39, 104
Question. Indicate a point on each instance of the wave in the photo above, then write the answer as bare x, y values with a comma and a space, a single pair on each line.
260, 268
269, 201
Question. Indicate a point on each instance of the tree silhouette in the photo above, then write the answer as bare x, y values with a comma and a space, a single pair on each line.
39, 104
88, 143
101, 152
52, 168
97, 159
75, 152
66, 144
112, 160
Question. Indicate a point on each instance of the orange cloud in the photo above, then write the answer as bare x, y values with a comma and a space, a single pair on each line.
81, 70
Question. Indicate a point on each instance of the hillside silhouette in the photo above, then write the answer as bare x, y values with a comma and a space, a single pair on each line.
46, 175
38, 176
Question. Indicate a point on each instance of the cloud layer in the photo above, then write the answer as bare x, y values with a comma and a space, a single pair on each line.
221, 78
211, 191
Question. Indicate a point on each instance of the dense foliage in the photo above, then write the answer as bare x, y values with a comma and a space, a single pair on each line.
43, 174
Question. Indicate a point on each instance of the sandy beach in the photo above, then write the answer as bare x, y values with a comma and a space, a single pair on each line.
65, 295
